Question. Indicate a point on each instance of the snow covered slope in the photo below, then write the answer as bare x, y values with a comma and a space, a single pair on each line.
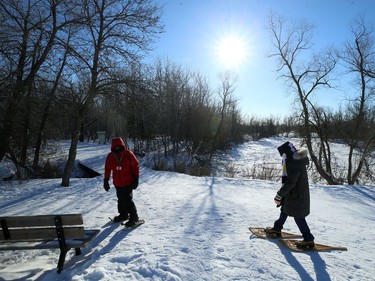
196, 229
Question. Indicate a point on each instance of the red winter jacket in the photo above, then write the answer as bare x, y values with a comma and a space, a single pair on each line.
123, 165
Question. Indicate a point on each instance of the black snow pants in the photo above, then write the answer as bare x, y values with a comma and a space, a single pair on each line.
125, 203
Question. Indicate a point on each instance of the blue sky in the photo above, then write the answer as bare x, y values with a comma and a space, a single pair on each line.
195, 28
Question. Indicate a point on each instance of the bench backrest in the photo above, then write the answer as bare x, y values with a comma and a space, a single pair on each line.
41, 227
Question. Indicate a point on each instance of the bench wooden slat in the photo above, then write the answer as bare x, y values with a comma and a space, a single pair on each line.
42, 220
53, 244
43, 233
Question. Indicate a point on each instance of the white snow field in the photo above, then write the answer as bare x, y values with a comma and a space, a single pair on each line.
196, 227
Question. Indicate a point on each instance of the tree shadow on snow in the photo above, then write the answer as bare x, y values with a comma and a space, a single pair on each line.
319, 264
204, 215
90, 254
28, 274
365, 191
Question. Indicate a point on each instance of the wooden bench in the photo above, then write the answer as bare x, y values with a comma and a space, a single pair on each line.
63, 232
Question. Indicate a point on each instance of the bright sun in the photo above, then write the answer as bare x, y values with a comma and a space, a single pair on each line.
232, 51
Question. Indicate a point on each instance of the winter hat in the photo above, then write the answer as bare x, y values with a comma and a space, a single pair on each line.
287, 148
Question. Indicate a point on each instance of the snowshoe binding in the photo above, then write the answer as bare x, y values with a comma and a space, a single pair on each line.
305, 244
273, 232
132, 223
120, 218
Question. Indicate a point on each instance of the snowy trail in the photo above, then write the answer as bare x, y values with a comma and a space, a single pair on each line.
196, 229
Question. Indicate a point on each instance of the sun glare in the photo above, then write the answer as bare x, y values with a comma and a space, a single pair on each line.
231, 51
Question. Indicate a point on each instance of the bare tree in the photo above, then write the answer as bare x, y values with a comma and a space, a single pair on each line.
115, 33
359, 134
304, 78
28, 33
228, 81
52, 86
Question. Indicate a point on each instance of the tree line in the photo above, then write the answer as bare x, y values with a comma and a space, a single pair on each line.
63, 55
72, 68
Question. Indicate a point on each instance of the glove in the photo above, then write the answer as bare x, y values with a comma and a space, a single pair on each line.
134, 184
278, 200
106, 184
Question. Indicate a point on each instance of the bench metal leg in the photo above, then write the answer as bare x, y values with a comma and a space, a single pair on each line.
61, 237
61, 262
63, 252
78, 251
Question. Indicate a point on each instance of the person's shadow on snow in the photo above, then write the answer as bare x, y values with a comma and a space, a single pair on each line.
321, 273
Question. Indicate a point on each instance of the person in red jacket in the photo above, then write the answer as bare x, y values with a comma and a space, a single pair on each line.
124, 167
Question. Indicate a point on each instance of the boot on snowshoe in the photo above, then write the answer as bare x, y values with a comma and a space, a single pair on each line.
305, 244
132, 222
120, 218
271, 231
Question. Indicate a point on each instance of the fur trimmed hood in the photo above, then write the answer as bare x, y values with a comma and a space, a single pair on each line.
288, 151
300, 153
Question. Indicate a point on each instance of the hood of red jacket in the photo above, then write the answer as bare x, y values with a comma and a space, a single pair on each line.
117, 141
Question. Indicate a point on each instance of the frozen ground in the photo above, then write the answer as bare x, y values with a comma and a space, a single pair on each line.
196, 228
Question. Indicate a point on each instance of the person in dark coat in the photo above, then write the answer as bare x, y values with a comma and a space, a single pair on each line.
124, 167
294, 195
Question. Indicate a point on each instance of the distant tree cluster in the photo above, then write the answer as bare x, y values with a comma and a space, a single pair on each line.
171, 110
258, 128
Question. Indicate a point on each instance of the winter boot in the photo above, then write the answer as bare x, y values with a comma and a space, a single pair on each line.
305, 244
131, 222
120, 218
271, 231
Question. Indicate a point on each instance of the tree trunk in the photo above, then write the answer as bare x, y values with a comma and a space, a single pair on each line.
39, 137
72, 156
6, 129
26, 128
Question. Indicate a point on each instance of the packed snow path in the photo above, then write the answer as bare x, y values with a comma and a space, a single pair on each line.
196, 229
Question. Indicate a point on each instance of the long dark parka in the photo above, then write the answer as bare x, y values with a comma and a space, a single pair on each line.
295, 191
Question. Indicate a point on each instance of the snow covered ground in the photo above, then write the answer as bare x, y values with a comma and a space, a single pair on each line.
196, 228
